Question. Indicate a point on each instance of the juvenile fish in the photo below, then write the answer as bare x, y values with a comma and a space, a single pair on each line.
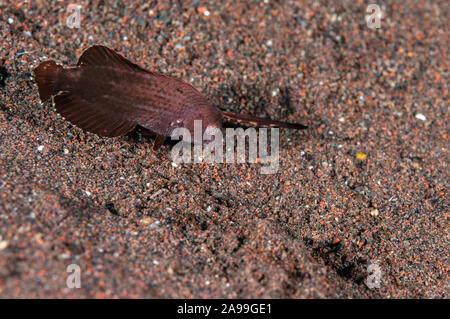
108, 95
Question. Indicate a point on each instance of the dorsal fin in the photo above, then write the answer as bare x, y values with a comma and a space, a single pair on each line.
100, 55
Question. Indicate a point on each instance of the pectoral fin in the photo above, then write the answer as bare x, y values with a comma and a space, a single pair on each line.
158, 142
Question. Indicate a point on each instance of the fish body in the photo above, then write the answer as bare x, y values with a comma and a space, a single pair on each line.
108, 95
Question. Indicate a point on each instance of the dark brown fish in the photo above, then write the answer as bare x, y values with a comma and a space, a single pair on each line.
108, 95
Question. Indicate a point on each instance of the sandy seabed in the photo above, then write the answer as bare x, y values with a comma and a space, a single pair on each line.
360, 198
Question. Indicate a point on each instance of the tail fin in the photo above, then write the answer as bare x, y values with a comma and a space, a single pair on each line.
47, 79
257, 121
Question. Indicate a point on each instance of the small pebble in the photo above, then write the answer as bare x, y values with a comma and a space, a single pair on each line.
374, 212
4, 244
421, 117
204, 11
361, 155
155, 224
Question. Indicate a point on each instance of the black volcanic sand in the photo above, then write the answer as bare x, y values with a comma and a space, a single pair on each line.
367, 184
